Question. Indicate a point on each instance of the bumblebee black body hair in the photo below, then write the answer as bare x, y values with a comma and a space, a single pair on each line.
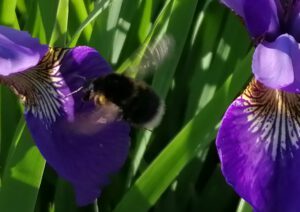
137, 101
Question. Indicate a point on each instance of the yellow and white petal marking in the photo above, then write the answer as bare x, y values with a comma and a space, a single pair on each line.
38, 87
275, 116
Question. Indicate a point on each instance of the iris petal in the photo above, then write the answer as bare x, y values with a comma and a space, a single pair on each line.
83, 151
235, 5
18, 51
294, 21
87, 160
67, 130
258, 144
260, 16
276, 64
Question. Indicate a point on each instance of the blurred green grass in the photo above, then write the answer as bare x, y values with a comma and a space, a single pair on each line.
174, 168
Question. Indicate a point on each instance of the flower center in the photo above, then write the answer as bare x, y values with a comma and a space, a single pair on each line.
274, 116
38, 86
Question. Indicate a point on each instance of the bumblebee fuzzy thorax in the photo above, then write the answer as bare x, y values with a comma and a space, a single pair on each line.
117, 88
138, 103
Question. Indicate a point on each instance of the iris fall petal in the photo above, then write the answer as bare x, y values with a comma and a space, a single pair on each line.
74, 136
18, 51
258, 144
85, 160
67, 129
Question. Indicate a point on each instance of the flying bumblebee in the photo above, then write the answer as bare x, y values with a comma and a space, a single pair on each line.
119, 96
136, 102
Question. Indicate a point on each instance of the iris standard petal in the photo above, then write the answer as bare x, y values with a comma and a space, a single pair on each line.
236, 5
18, 51
66, 129
294, 21
260, 16
276, 64
258, 145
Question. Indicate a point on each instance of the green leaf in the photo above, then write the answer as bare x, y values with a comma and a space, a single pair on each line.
97, 11
179, 20
178, 27
22, 174
64, 197
134, 30
215, 64
79, 13
195, 135
35, 23
215, 190
47, 13
7, 13
8, 121
136, 58
244, 207
59, 32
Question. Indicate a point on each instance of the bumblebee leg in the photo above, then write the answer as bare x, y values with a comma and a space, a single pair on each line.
100, 100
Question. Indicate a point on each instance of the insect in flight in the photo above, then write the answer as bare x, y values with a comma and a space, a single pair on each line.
119, 96
136, 101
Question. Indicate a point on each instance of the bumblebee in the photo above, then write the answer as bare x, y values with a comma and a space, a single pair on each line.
136, 102
119, 96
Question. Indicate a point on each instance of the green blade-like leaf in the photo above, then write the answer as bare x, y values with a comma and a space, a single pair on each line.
215, 190
135, 30
79, 13
47, 13
196, 134
97, 11
35, 24
178, 27
64, 197
8, 121
136, 58
22, 174
244, 207
7, 13
59, 32
179, 21
230, 45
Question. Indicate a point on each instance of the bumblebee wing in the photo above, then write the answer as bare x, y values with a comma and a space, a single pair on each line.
107, 113
148, 57
97, 119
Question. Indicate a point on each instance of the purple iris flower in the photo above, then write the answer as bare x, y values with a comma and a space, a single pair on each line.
259, 138
66, 129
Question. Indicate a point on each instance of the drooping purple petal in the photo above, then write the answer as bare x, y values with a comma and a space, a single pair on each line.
262, 17
258, 145
87, 160
81, 149
18, 51
277, 64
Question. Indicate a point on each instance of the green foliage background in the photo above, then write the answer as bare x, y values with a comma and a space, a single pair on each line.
174, 168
